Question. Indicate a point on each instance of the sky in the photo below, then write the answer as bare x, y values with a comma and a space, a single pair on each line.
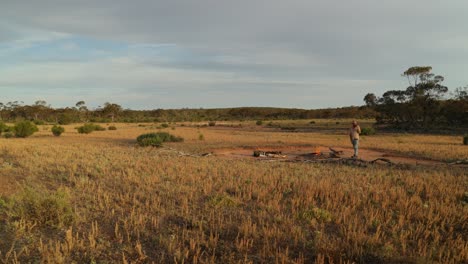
148, 54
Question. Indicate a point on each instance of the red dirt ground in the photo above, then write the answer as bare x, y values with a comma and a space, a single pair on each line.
304, 153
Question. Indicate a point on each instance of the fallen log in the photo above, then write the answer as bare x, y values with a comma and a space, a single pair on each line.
269, 154
382, 159
459, 162
335, 153
338, 152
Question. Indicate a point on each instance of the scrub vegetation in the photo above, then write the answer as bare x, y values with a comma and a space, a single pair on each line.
102, 198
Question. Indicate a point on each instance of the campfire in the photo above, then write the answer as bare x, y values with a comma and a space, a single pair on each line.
316, 151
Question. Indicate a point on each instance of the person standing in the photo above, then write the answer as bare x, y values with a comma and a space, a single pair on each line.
354, 132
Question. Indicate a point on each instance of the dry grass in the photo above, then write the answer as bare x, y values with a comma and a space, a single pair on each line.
137, 205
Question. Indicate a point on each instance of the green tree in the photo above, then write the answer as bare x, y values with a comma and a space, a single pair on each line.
111, 110
418, 105
25, 129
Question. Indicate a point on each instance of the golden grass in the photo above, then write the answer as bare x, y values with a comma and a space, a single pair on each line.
139, 205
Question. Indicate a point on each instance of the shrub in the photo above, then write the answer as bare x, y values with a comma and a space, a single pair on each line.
57, 130
147, 141
65, 119
259, 123
10, 129
3, 127
39, 122
312, 122
112, 128
8, 134
465, 139
201, 137
46, 209
367, 131
212, 123
25, 129
86, 129
99, 128
164, 125
89, 128
156, 139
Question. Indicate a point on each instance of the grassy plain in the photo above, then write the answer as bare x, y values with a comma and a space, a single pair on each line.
99, 198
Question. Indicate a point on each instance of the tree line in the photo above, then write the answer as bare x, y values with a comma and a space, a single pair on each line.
425, 103
41, 112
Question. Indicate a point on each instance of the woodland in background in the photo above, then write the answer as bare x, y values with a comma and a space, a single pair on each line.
40, 112
425, 104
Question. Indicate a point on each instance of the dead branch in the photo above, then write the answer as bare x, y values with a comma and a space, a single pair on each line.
459, 162
183, 154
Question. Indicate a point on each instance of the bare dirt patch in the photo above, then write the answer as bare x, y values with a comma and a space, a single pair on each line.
305, 153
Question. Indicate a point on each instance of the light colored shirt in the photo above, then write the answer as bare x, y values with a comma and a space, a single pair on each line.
354, 132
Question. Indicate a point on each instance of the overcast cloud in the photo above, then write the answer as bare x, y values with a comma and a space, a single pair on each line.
212, 53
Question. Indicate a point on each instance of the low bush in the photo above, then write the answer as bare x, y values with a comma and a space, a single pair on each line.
86, 129
212, 123
156, 139
112, 128
259, 123
8, 134
65, 119
57, 130
99, 128
25, 129
367, 131
89, 128
147, 141
3, 128
465, 139
39, 122
46, 209
164, 125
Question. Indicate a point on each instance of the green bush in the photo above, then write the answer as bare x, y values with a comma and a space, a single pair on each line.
57, 130
65, 119
201, 137
465, 139
156, 139
259, 123
46, 209
86, 129
112, 128
149, 141
89, 128
8, 134
99, 128
25, 129
367, 131
164, 125
3, 128
39, 122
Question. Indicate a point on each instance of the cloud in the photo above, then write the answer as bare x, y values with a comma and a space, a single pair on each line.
134, 83
171, 48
